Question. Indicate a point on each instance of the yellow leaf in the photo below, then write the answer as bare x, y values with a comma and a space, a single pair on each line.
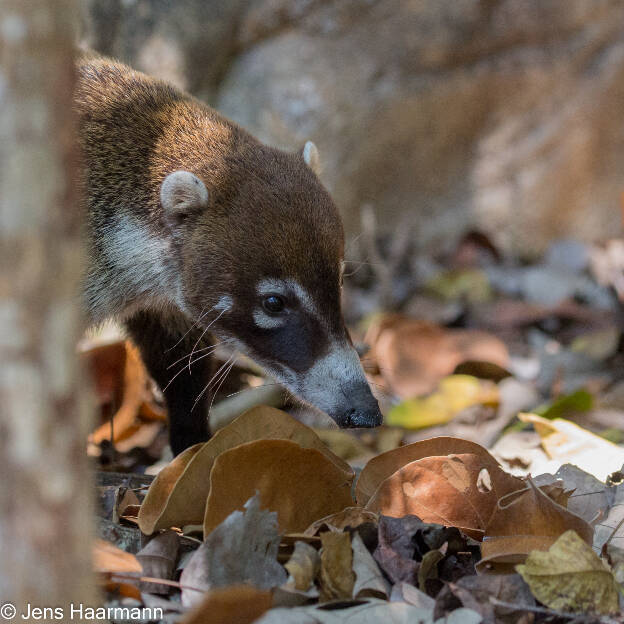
570, 577
454, 394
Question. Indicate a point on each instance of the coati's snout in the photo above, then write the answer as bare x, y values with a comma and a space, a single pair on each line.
302, 342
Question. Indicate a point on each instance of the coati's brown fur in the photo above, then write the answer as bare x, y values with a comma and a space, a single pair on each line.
240, 222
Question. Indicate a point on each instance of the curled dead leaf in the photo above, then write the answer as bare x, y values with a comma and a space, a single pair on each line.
178, 495
240, 603
383, 466
300, 484
303, 566
524, 521
120, 379
451, 490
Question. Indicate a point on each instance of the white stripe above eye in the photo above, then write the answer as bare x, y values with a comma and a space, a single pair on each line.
263, 320
287, 287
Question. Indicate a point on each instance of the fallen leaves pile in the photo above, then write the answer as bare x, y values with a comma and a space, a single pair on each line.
264, 523
488, 370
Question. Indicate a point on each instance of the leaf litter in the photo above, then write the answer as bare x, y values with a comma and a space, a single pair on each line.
267, 521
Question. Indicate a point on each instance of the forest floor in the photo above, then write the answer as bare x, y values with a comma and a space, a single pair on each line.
494, 492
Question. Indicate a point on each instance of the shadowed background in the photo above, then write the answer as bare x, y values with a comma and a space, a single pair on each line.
500, 115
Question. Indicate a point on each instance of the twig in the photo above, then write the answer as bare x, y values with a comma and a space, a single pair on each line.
575, 617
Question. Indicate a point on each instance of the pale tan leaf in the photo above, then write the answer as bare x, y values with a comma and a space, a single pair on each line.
570, 577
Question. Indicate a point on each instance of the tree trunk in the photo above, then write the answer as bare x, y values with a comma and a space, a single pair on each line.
45, 507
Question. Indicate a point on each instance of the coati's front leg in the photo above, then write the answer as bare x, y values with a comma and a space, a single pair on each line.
161, 344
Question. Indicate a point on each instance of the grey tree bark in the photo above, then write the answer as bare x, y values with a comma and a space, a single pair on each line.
45, 508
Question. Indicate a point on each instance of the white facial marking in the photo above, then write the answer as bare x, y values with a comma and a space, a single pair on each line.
265, 321
288, 287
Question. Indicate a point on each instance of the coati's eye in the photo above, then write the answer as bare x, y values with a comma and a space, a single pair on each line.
273, 304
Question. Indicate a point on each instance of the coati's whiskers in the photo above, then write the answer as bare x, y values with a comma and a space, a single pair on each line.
212, 346
214, 394
250, 388
214, 320
190, 329
372, 364
201, 357
223, 372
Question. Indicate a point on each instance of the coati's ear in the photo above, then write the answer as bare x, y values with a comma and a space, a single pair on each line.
182, 194
311, 157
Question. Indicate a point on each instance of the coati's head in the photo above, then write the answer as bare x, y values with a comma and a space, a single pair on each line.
260, 244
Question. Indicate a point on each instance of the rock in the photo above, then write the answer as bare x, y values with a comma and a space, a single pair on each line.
188, 42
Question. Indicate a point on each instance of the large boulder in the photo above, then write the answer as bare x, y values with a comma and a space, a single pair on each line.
501, 114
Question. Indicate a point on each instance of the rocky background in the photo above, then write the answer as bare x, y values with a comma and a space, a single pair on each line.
502, 115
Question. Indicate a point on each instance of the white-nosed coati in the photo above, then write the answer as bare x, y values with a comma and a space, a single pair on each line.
196, 226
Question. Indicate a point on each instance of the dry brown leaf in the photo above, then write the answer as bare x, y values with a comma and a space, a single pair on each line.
108, 559
239, 604
178, 495
119, 373
127, 590
153, 513
455, 490
412, 355
522, 522
383, 466
337, 577
300, 484
349, 517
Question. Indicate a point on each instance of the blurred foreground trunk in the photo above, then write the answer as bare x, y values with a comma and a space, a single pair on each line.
45, 511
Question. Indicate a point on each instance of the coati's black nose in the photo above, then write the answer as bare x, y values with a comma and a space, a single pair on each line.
361, 410
358, 419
